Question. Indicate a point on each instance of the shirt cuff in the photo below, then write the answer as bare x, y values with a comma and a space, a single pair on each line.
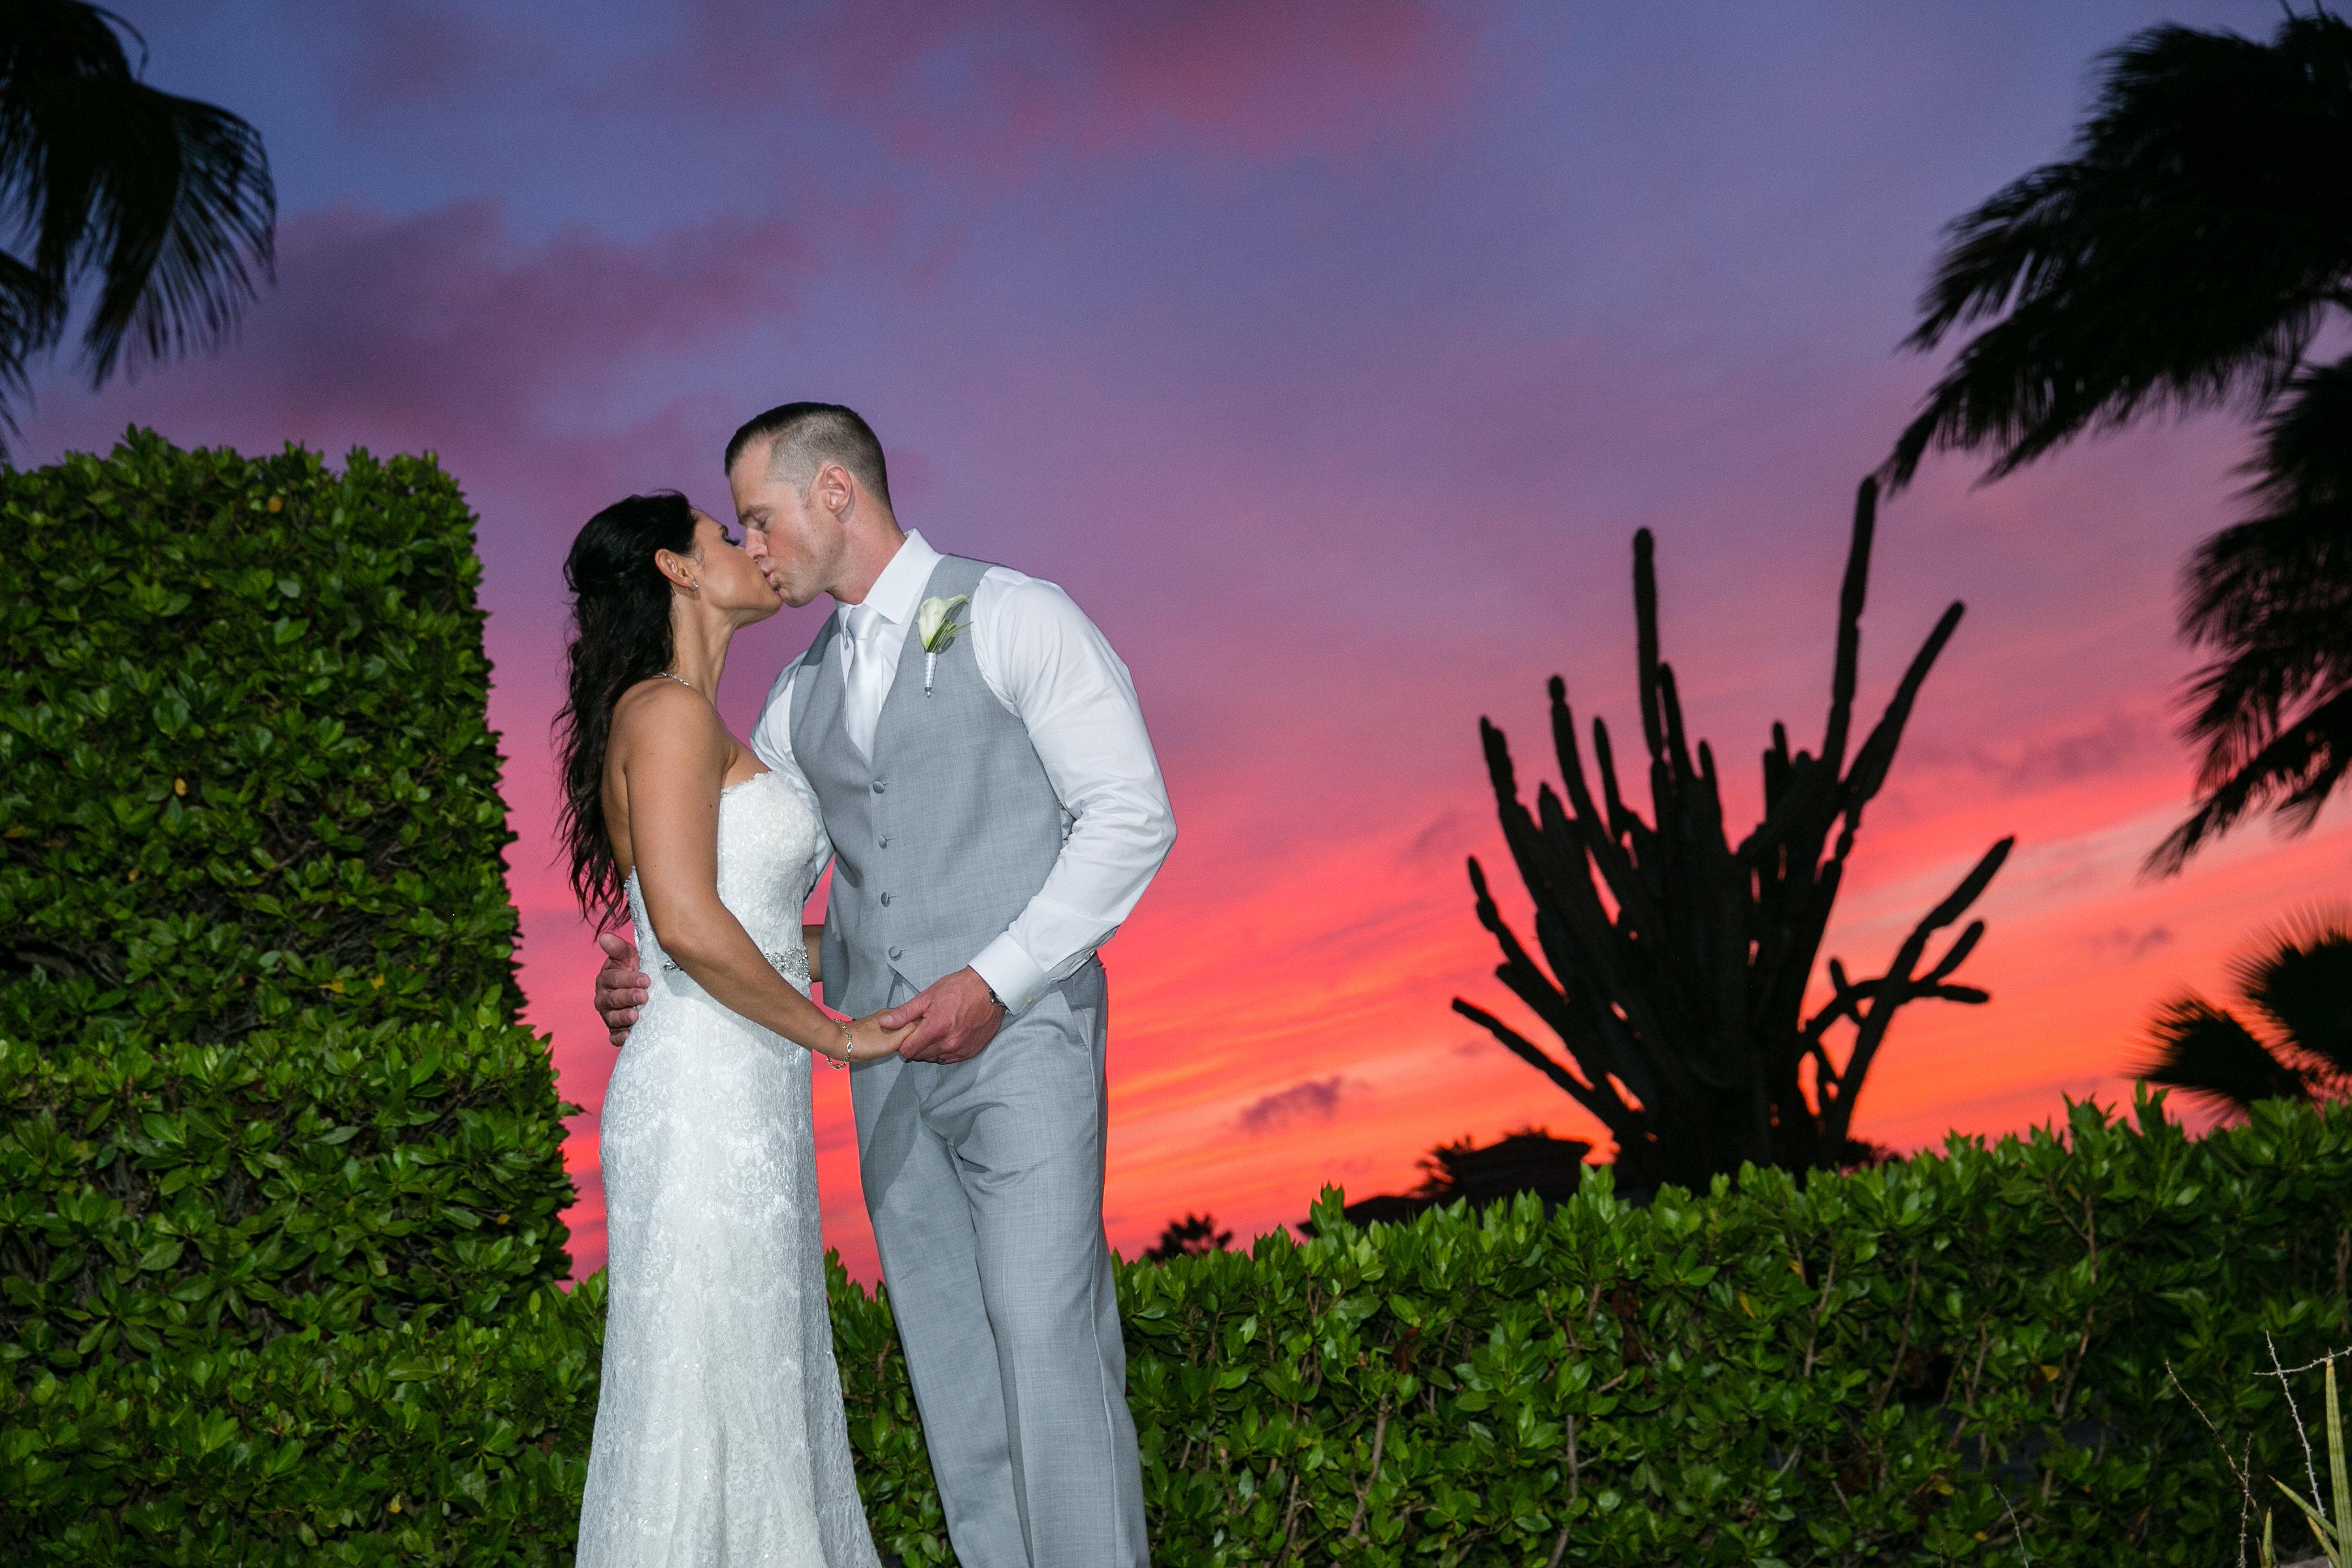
1011, 973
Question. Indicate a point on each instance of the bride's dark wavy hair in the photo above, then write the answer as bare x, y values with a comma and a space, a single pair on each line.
620, 636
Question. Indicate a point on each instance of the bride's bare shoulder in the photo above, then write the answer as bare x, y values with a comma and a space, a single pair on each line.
664, 715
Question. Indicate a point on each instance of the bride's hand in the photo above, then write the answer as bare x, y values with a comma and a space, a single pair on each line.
870, 1042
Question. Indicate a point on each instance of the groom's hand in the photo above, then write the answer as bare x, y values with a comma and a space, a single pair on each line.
954, 1019
621, 990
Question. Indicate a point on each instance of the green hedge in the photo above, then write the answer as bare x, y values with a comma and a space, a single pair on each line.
245, 774
260, 1066
337, 1177
1913, 1364
418, 1444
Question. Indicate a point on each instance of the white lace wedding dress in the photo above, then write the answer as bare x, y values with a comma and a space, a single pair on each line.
719, 1435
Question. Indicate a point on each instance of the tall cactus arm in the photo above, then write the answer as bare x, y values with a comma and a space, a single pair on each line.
1850, 595
1846, 1003
1670, 714
1900, 985
1645, 640
1599, 833
1605, 951
1623, 823
1518, 969
1603, 1101
1587, 952
1596, 1037
1878, 753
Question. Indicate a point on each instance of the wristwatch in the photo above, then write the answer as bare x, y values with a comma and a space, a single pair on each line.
995, 997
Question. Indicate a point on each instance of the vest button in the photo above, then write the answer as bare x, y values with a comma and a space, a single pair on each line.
883, 842
878, 786
885, 898
896, 951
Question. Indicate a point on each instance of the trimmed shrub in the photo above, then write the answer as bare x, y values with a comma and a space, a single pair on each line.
335, 1177
259, 1058
1940, 1361
246, 775
424, 1443
1937, 1361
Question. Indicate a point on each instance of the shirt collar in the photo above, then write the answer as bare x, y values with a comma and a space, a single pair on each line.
896, 592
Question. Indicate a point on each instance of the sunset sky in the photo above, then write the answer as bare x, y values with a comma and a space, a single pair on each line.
1330, 354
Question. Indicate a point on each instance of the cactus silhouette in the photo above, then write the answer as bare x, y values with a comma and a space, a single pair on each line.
1676, 965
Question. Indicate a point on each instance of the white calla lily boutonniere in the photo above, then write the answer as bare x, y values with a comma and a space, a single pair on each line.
935, 623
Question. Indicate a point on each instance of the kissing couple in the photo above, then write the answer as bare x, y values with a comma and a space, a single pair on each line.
962, 746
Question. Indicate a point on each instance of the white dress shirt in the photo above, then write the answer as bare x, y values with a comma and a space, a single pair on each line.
1041, 657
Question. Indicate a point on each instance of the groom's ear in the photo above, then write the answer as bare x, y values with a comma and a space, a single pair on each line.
833, 489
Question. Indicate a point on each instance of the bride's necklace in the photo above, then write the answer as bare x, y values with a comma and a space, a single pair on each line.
682, 681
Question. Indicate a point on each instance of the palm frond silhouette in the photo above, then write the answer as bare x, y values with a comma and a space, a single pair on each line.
2187, 256
2295, 1041
158, 209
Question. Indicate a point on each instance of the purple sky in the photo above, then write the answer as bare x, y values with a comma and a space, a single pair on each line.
1330, 354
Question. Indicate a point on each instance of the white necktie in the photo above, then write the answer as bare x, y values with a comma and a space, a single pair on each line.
868, 681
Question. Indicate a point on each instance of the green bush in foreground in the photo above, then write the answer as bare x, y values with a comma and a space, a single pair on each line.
260, 1066
455, 1443
1913, 1364
338, 1178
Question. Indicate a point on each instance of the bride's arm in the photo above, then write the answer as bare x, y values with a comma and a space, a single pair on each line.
674, 758
813, 939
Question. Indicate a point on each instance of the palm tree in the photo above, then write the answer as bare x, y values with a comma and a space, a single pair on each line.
2299, 987
2187, 256
159, 209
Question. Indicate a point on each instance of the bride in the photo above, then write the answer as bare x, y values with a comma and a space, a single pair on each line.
719, 1435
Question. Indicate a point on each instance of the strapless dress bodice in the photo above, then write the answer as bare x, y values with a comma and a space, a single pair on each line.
771, 849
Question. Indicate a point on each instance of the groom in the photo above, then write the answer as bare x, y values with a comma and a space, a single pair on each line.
995, 811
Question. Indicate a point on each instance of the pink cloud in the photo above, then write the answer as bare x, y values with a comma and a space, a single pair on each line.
406, 50
1334, 77
438, 331
1260, 79
2130, 942
2119, 741
547, 378
1316, 1099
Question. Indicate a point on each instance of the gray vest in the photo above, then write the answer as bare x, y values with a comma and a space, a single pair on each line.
945, 836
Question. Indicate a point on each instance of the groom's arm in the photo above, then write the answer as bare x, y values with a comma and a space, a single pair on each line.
1055, 670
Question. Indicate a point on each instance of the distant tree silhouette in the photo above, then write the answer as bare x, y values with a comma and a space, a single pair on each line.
159, 209
2187, 256
1190, 1236
1679, 964
2299, 989
1528, 1160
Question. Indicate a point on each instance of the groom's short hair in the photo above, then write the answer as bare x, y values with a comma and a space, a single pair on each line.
807, 435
